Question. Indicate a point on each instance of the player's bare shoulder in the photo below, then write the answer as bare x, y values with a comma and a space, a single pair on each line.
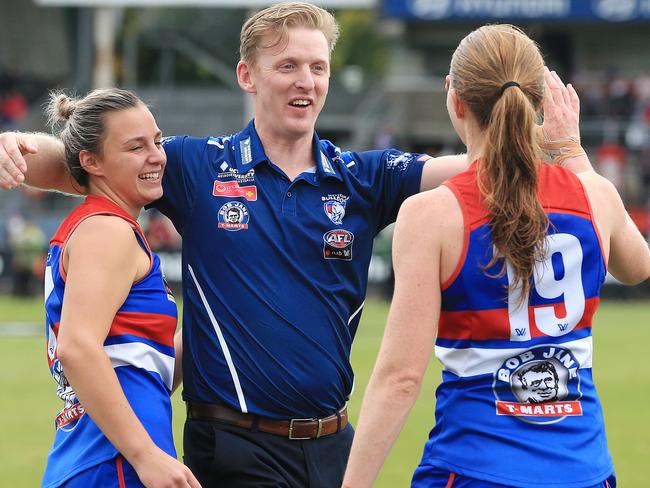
433, 208
432, 218
605, 201
108, 236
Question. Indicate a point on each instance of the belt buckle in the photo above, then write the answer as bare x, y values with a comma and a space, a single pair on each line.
318, 432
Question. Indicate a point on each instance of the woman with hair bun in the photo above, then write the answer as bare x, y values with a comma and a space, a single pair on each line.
110, 316
500, 270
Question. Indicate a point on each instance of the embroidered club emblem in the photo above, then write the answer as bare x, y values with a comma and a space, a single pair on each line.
334, 207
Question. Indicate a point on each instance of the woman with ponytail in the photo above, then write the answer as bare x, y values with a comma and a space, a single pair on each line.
500, 270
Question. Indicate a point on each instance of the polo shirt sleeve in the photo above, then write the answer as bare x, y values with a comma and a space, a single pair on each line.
185, 156
394, 176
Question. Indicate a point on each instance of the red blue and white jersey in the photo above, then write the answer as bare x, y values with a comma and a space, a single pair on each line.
517, 404
140, 345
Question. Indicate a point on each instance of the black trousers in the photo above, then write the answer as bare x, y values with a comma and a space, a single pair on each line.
226, 456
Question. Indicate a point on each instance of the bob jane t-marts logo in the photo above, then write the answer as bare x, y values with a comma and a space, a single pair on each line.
338, 244
233, 216
539, 386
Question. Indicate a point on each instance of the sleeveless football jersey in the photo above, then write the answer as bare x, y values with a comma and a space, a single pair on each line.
140, 345
517, 404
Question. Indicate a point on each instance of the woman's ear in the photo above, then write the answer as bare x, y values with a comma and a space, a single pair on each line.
89, 162
459, 106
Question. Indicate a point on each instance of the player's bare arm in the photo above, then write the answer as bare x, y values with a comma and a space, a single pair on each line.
408, 339
629, 255
178, 359
95, 290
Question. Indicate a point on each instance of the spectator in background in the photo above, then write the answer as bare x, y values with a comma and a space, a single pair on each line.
13, 109
27, 244
160, 233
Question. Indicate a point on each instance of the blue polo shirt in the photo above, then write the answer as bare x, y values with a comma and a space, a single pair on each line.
275, 271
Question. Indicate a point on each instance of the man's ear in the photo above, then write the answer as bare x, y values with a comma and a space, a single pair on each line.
245, 78
90, 164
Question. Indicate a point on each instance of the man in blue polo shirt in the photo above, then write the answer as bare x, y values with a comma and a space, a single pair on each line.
277, 230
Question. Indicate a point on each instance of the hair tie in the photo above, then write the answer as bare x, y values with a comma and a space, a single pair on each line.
508, 84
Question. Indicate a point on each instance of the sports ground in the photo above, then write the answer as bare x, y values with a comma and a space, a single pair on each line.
621, 368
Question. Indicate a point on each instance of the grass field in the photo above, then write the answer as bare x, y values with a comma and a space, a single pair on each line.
622, 337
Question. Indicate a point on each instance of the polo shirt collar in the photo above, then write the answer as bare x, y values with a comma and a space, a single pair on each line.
249, 152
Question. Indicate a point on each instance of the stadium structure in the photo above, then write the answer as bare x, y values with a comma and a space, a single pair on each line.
389, 91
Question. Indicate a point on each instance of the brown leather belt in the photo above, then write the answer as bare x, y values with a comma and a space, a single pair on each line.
296, 429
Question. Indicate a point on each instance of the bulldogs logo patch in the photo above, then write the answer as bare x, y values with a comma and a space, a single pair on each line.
334, 206
539, 386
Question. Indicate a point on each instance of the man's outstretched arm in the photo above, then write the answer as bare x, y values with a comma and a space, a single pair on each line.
36, 160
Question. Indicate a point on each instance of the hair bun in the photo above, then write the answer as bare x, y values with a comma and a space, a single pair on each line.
60, 107
64, 106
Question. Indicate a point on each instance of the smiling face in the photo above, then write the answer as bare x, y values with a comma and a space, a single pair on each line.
289, 84
130, 167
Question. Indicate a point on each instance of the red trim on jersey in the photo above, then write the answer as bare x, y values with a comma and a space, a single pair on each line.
483, 325
450, 481
593, 223
94, 205
466, 232
566, 211
552, 194
154, 327
120, 471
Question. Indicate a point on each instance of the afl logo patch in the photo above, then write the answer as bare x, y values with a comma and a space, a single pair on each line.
233, 216
338, 244
539, 386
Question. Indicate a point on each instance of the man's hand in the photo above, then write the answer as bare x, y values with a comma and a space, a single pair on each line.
13, 147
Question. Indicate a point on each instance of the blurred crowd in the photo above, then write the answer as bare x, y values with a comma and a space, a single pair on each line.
13, 105
615, 126
615, 114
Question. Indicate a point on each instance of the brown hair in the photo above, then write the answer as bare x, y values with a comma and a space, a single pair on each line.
83, 122
277, 20
484, 61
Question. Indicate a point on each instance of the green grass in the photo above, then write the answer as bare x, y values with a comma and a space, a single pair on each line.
21, 309
622, 335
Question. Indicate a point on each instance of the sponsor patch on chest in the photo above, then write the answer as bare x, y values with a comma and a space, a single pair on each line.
233, 216
233, 189
338, 244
